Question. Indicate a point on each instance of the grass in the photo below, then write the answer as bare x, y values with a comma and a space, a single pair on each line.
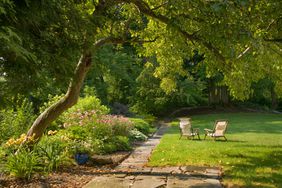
252, 156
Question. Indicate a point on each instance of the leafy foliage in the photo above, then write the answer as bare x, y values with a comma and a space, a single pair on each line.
141, 125
137, 135
53, 153
14, 122
23, 164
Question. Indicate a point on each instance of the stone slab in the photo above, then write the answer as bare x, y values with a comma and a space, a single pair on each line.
168, 170
149, 181
109, 181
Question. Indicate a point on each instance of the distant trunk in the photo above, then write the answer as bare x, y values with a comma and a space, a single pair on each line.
218, 95
224, 95
274, 99
70, 98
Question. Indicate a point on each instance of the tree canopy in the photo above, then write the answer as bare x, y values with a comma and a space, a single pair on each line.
241, 39
42, 40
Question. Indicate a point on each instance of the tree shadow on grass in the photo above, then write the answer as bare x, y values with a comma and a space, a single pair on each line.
262, 170
228, 140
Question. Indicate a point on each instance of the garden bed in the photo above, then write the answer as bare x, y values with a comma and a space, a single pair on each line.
71, 177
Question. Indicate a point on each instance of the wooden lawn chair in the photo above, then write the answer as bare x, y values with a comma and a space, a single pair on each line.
218, 131
186, 129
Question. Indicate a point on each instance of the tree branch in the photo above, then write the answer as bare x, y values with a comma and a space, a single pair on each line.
159, 6
245, 51
274, 50
272, 23
273, 40
192, 18
116, 40
145, 9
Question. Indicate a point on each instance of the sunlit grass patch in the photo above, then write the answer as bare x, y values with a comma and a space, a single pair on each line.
252, 156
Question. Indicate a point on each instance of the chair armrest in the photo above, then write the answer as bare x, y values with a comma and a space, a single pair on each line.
208, 130
196, 130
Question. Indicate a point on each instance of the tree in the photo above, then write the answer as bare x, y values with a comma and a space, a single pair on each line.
114, 73
231, 34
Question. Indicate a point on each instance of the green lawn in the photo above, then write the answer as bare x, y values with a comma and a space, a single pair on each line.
252, 156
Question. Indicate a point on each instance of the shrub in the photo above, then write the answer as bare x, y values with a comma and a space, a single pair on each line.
78, 132
141, 125
108, 147
102, 131
136, 135
120, 109
98, 130
82, 147
121, 126
97, 146
122, 143
15, 122
23, 164
116, 143
106, 126
89, 103
52, 152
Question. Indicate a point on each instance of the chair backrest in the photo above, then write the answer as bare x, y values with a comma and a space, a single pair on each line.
185, 126
220, 127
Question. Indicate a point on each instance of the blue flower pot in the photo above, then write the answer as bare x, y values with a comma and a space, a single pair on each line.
81, 158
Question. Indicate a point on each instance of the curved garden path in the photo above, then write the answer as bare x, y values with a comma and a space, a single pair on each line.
133, 172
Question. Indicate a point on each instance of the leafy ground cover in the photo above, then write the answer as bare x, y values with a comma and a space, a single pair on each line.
252, 156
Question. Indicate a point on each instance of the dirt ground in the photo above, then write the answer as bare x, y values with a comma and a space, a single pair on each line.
74, 177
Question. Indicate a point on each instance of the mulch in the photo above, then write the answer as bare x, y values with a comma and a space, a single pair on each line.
72, 177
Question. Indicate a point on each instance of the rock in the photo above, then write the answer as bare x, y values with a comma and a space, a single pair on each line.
114, 158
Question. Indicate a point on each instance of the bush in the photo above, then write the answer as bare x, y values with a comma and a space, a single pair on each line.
108, 147
105, 133
15, 122
122, 143
52, 152
47, 155
102, 131
89, 103
78, 132
82, 147
23, 164
114, 144
136, 135
121, 126
120, 109
141, 125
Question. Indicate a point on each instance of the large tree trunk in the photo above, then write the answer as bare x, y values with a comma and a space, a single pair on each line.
72, 95
68, 100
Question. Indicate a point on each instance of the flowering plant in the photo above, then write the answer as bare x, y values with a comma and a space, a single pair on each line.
16, 142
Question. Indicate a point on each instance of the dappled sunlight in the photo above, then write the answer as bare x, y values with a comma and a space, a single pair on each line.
263, 168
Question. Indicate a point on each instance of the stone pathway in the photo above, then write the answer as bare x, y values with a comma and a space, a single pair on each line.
140, 156
133, 172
